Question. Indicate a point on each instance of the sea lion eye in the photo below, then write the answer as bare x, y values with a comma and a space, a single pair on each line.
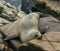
36, 36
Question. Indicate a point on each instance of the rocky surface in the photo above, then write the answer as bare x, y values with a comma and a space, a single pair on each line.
51, 7
9, 12
54, 5
49, 26
45, 6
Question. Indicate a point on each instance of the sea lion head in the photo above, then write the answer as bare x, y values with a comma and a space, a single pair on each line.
30, 35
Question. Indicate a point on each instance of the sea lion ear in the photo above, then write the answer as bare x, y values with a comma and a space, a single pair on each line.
42, 15
10, 37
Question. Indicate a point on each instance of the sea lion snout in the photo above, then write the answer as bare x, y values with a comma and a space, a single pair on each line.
37, 34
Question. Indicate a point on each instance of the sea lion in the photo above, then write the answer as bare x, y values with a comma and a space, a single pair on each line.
29, 26
48, 24
26, 28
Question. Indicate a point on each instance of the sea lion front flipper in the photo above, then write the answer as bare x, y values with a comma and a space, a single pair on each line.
11, 36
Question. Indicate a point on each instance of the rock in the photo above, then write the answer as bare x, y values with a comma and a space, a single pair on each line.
54, 39
21, 14
54, 5
3, 21
51, 7
1, 38
6, 12
38, 5
9, 12
16, 3
26, 6
2, 45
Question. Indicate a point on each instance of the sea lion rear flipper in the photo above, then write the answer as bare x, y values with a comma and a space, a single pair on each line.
11, 36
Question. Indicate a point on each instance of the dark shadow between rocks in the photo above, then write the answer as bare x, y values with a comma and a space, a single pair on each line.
31, 48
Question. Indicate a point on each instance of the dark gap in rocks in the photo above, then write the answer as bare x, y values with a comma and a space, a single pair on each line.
55, 0
1, 8
11, 45
30, 48
9, 19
